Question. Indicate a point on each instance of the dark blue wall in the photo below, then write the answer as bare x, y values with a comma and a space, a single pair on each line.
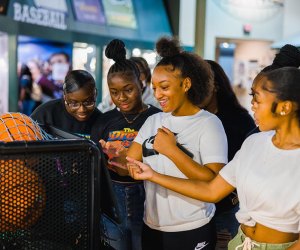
152, 22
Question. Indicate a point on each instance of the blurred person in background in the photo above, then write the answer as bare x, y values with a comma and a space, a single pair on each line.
147, 91
42, 89
26, 104
59, 66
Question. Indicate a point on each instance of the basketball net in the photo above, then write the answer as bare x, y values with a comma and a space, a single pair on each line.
20, 127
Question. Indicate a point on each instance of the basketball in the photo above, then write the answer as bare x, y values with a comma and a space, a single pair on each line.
18, 127
22, 196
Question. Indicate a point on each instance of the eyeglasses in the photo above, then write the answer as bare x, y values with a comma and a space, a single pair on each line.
76, 105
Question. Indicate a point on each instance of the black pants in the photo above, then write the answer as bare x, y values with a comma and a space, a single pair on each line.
196, 239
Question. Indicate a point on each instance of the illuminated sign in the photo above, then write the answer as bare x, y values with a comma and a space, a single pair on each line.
40, 16
89, 11
120, 13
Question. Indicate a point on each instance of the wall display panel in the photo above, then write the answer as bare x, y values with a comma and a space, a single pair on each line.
126, 19
88, 11
48, 63
120, 13
41, 12
3, 72
40, 49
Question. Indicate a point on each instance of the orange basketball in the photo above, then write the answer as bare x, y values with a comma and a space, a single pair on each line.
18, 127
22, 196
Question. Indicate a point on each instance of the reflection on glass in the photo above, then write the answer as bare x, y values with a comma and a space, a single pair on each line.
84, 57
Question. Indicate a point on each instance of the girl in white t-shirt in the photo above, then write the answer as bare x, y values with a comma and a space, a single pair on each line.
265, 171
181, 81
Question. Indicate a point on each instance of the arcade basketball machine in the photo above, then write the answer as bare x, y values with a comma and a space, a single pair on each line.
49, 187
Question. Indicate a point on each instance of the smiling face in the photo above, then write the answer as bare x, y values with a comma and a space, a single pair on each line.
264, 105
125, 92
84, 98
170, 89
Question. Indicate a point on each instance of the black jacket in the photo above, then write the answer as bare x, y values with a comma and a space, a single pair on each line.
55, 114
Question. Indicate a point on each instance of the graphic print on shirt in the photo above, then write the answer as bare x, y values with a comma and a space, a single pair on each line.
122, 137
147, 148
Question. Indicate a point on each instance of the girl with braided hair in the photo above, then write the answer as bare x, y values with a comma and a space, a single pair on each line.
119, 128
181, 81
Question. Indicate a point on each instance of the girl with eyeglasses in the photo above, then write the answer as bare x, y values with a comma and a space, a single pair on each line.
76, 112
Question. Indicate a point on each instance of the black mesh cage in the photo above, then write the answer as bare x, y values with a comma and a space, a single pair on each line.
49, 197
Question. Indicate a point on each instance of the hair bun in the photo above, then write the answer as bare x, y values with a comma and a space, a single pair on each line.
116, 50
168, 47
288, 55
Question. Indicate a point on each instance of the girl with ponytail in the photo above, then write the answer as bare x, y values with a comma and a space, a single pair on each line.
119, 127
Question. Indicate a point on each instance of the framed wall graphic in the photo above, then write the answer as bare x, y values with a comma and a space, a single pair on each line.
88, 11
48, 62
53, 14
40, 49
120, 13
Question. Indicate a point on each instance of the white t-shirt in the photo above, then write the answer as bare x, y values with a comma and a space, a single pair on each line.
202, 135
267, 181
